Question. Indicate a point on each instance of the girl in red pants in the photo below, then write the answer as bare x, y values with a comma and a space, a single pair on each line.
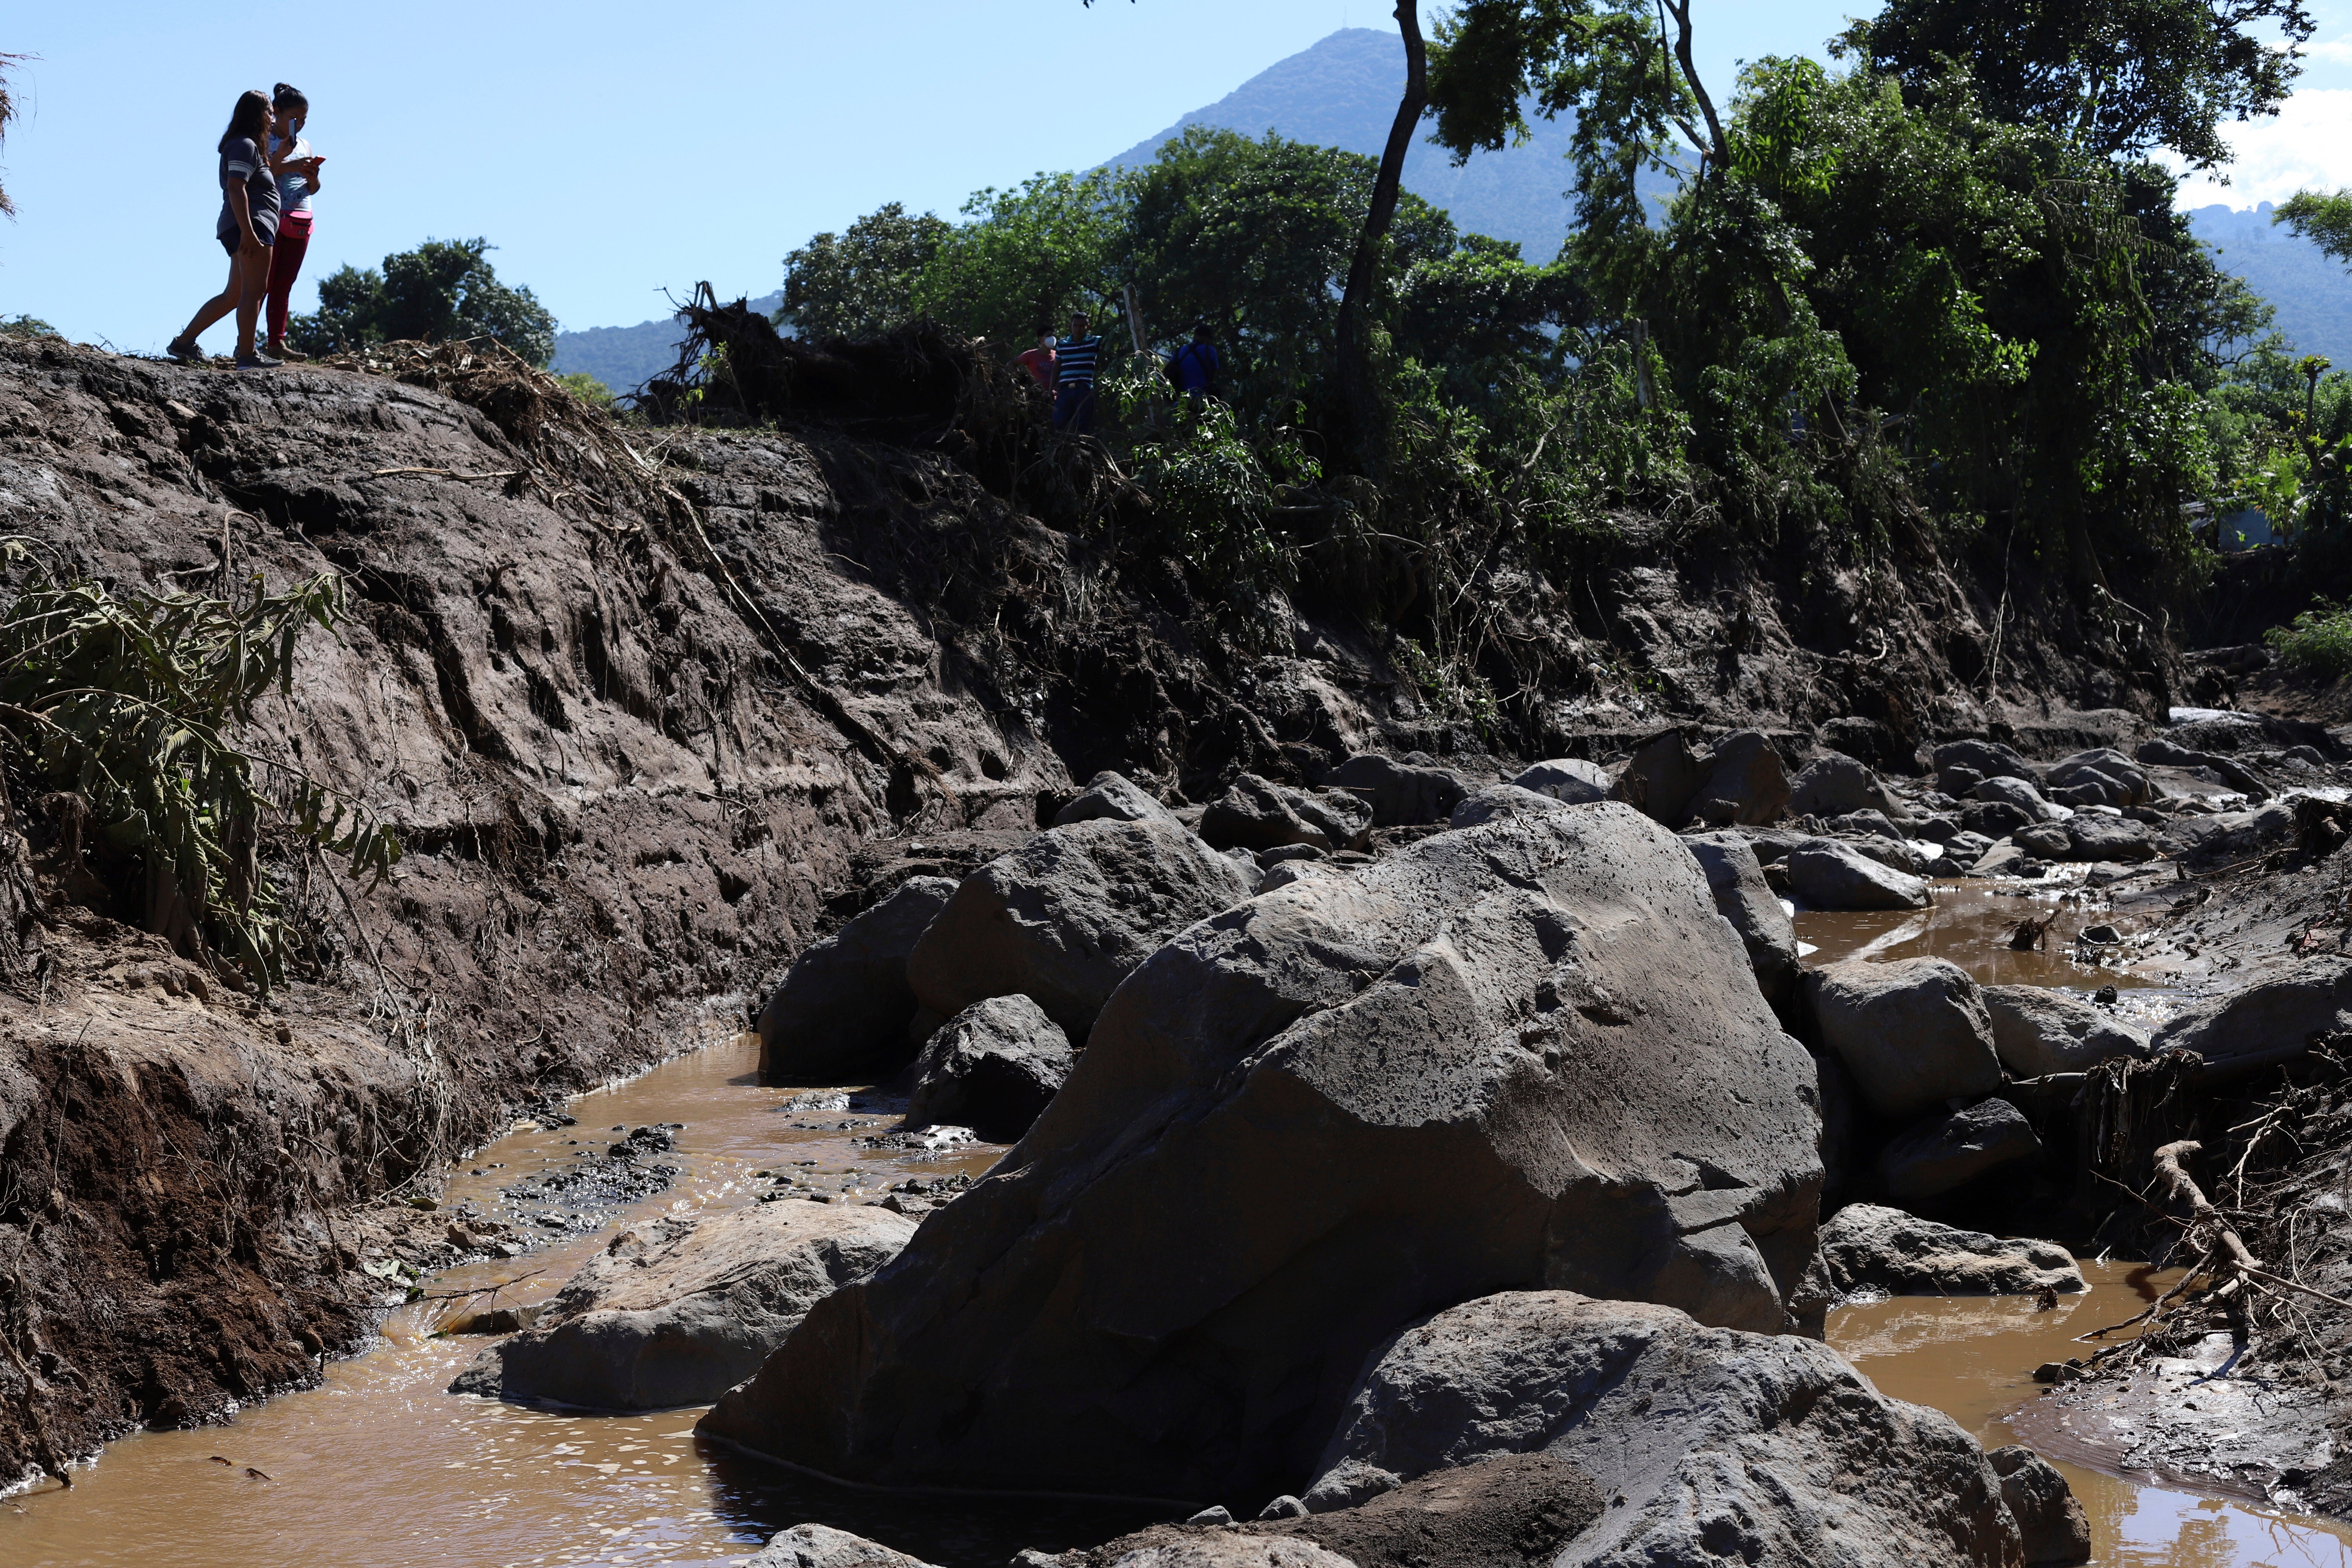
298, 179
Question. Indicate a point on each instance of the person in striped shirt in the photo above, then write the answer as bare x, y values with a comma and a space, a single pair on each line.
1074, 378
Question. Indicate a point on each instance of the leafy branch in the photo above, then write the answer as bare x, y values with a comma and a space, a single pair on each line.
127, 702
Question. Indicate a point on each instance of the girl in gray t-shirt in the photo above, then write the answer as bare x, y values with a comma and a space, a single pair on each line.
246, 229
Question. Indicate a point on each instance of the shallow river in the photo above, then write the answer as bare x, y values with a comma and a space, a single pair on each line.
379, 1466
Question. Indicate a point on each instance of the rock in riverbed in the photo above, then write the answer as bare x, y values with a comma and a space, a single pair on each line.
991, 1068
1827, 875
2049, 1519
821, 1546
1946, 1152
1914, 1033
1867, 1248
1112, 797
1744, 783
1066, 916
1570, 780
2037, 1031
1712, 1446
1503, 1509
1258, 814
1500, 803
1402, 794
1748, 901
676, 1311
2275, 1015
1492, 1060
840, 1014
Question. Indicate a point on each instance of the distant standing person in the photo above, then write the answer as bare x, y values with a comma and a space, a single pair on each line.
1193, 367
248, 227
297, 168
1074, 378
1039, 362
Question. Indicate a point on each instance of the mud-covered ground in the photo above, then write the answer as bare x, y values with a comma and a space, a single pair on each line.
651, 709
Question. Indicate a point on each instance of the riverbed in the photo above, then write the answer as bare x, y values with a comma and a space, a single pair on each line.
380, 1467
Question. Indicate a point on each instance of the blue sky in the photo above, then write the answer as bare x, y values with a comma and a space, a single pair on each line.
610, 151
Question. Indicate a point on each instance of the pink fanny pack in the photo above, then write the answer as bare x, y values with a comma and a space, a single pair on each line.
295, 222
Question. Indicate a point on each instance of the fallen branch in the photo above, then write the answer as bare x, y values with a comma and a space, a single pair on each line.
447, 473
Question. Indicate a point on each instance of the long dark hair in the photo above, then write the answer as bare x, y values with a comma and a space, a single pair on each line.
246, 118
283, 97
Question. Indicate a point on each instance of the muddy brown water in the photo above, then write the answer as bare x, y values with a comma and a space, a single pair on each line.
379, 1466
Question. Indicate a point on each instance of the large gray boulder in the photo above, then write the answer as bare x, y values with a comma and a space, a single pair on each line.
821, 1546
1112, 797
2037, 1031
676, 1311
1946, 1152
1987, 759
2049, 1518
1867, 1248
1499, 1511
1660, 778
991, 1068
1402, 794
1570, 780
1501, 803
1518, 1055
1744, 784
1712, 1445
1258, 814
1824, 874
2094, 837
2106, 769
842, 1012
2283, 1015
1913, 1033
2019, 793
1834, 784
1748, 901
1066, 916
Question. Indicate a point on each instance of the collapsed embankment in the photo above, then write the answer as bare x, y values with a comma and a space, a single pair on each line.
633, 709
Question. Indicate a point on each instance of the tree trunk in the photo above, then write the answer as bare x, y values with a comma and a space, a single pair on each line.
1361, 406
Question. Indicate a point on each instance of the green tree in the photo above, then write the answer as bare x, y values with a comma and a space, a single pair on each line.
2324, 219
2118, 77
1255, 238
24, 326
860, 282
443, 291
1025, 257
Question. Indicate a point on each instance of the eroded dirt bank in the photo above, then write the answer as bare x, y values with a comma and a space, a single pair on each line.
634, 712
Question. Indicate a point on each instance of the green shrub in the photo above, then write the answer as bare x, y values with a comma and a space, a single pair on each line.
587, 389
2319, 643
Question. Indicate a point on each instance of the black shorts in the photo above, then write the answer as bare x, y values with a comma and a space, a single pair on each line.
230, 242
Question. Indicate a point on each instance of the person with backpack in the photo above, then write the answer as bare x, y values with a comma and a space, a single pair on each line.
246, 229
297, 169
1193, 369
1074, 378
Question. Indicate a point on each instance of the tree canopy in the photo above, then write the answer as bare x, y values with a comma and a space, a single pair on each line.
2321, 218
2118, 77
857, 283
444, 290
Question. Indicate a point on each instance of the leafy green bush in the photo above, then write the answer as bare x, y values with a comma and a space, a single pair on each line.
443, 291
22, 326
587, 389
2319, 642
128, 702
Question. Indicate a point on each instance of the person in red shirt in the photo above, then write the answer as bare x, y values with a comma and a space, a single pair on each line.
1040, 360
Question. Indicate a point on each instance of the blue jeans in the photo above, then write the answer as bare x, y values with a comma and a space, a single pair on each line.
1074, 408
